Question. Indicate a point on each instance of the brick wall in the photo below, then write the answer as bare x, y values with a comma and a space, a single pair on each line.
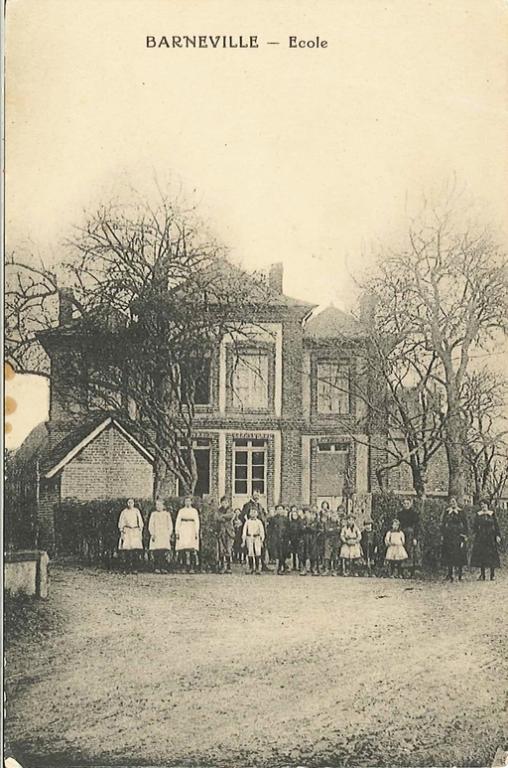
291, 467
109, 467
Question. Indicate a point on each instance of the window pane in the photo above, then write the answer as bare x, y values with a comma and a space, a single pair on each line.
241, 457
241, 443
332, 387
258, 457
259, 486
258, 473
240, 472
250, 381
258, 443
241, 486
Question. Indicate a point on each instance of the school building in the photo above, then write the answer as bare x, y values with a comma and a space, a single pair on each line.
281, 418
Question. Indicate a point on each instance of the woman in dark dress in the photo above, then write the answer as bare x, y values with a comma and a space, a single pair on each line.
486, 538
454, 537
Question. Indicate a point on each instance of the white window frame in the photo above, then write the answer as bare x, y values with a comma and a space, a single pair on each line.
250, 450
326, 380
246, 404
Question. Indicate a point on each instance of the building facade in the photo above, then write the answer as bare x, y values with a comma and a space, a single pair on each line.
277, 412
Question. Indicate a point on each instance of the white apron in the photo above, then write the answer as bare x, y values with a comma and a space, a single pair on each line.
187, 529
160, 527
396, 550
130, 525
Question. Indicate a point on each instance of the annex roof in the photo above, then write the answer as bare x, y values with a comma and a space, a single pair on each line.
52, 459
333, 323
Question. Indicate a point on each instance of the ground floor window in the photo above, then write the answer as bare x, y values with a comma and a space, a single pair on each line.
201, 449
249, 467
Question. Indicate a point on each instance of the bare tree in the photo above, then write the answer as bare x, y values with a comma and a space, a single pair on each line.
146, 297
439, 298
485, 447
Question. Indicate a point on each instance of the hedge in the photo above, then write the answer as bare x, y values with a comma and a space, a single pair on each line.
385, 507
89, 530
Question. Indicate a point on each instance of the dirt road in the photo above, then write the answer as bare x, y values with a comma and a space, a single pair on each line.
261, 671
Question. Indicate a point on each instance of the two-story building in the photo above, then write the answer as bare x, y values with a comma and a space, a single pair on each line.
276, 413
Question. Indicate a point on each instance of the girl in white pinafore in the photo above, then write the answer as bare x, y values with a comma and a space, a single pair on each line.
130, 525
350, 551
395, 550
160, 527
187, 534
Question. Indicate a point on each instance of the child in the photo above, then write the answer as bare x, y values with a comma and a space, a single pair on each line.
332, 542
486, 538
396, 552
368, 545
130, 525
160, 528
304, 554
237, 547
295, 532
316, 542
454, 536
350, 552
187, 534
253, 537
225, 535
280, 537
270, 535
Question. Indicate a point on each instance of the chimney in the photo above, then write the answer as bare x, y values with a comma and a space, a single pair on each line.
65, 306
276, 276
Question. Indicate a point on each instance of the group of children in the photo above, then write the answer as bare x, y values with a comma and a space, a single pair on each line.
319, 541
315, 540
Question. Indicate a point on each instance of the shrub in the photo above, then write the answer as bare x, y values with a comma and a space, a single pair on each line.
89, 530
385, 506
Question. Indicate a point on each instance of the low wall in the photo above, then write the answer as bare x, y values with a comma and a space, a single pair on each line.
26, 572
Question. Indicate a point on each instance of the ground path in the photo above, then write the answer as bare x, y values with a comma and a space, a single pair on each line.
265, 671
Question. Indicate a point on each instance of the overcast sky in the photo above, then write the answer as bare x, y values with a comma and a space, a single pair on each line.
303, 156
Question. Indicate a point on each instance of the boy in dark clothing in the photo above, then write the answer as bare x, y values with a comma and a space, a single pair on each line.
316, 540
270, 542
225, 535
369, 548
279, 526
306, 541
295, 533
332, 544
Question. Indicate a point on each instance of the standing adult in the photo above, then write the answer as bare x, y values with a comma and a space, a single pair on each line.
409, 521
454, 536
160, 528
187, 534
130, 525
486, 538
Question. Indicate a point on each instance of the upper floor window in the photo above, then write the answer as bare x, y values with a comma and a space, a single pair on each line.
196, 381
333, 390
250, 380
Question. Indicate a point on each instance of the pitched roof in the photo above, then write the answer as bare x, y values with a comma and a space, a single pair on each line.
333, 323
225, 274
53, 458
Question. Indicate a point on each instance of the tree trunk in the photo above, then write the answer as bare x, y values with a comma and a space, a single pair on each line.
456, 472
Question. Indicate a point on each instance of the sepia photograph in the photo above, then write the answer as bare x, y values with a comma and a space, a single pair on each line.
255, 303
